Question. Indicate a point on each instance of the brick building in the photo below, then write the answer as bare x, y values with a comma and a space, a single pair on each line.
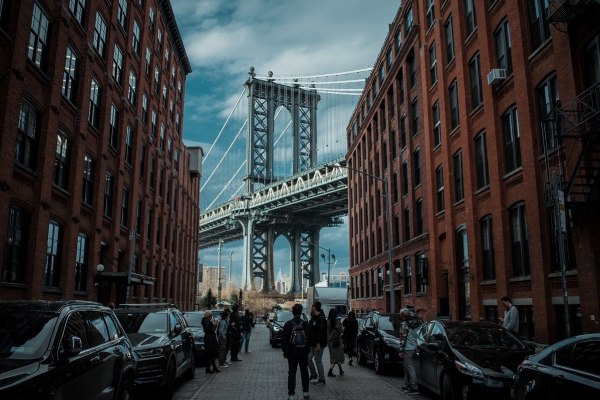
91, 113
454, 115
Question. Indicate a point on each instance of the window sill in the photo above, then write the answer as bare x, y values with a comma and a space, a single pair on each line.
513, 175
440, 213
454, 130
572, 272
477, 110
521, 279
488, 283
52, 290
14, 285
471, 38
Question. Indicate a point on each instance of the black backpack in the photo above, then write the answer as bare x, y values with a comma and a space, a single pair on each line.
298, 338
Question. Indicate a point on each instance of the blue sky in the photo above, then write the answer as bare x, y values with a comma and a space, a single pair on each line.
224, 38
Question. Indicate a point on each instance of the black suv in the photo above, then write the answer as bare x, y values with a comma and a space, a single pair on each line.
63, 350
163, 345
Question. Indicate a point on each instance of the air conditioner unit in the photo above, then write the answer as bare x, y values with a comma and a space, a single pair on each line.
496, 76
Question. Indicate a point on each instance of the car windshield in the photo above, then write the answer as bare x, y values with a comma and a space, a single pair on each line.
284, 316
25, 335
479, 337
390, 322
144, 322
194, 319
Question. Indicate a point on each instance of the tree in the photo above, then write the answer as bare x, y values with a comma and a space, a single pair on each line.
234, 298
209, 300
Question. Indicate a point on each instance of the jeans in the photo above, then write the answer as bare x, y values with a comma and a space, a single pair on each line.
245, 338
296, 359
317, 355
410, 375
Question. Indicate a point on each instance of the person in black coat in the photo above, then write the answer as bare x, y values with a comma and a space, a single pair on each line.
295, 347
211, 345
234, 333
350, 333
317, 339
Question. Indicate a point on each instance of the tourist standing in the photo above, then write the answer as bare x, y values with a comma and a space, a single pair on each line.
247, 325
510, 321
294, 344
334, 342
317, 340
222, 328
350, 325
210, 342
234, 333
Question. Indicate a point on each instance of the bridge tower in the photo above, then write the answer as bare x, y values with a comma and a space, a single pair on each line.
260, 232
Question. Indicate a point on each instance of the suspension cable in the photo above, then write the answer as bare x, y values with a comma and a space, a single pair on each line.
316, 76
226, 185
224, 125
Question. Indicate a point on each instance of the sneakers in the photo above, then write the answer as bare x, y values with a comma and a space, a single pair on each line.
404, 388
313, 378
305, 395
411, 391
320, 382
236, 359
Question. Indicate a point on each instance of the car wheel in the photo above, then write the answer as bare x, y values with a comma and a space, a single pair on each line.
361, 359
170, 380
377, 360
125, 391
448, 389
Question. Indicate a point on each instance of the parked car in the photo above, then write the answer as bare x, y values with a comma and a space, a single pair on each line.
194, 321
163, 344
468, 360
379, 341
569, 368
63, 350
276, 328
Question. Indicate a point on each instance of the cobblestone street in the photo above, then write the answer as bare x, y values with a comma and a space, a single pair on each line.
263, 375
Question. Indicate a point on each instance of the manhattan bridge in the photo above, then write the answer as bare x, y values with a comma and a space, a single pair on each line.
276, 169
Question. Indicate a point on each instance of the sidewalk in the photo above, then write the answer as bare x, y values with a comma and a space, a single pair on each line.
263, 375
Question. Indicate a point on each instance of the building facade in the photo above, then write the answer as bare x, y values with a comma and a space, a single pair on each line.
210, 280
99, 194
466, 114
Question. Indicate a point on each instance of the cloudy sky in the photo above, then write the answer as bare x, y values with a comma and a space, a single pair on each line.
224, 38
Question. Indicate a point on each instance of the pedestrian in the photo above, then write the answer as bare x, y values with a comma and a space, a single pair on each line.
222, 338
334, 342
510, 321
350, 325
317, 340
408, 349
247, 325
234, 333
294, 344
211, 346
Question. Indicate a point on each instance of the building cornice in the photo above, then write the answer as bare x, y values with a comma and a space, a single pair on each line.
169, 16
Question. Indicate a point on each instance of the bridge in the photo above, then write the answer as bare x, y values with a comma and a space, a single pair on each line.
290, 189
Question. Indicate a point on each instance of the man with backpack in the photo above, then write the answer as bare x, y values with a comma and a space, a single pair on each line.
294, 344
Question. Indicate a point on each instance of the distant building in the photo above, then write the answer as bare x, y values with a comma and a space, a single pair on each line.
210, 279
336, 280
471, 108
97, 189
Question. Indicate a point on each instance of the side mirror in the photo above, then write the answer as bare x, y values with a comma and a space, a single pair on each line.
71, 347
177, 329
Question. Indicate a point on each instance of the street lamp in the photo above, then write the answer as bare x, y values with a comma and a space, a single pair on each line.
329, 257
388, 219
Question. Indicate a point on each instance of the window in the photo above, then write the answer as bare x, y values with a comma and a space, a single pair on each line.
135, 41
176, 161
148, 61
69, 85
404, 178
539, 27
398, 41
412, 70
81, 263
406, 220
417, 167
449, 36
430, 13
518, 234
403, 132
4, 14
389, 60
87, 189
61, 161
432, 65
143, 161
414, 114
487, 248
117, 71
109, 188
407, 276
591, 61
156, 80
37, 50
159, 35
459, 190
471, 20
483, 179
138, 218
454, 117
437, 126
419, 217
15, 248
174, 74
179, 91
99, 42
162, 137
94, 111
26, 145
153, 119
124, 206
512, 147
145, 108
169, 150
439, 184
113, 127
503, 47
475, 77
178, 124
132, 92
400, 85
582, 356
547, 96
167, 59
77, 7
129, 145
408, 20
122, 13
53, 255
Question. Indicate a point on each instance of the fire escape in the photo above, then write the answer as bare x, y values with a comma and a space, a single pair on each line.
564, 11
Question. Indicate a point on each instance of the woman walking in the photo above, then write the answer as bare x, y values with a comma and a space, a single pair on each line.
211, 345
334, 342
350, 333
222, 338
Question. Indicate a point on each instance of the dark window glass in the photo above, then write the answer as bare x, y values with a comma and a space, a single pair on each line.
16, 247
113, 127
99, 41
124, 207
417, 167
129, 145
77, 8
412, 70
406, 220
404, 178
117, 70
512, 140
471, 20
403, 132
81, 263
459, 190
407, 276
539, 27
37, 51
519, 240
94, 110
437, 126
122, 13
109, 188
483, 179
135, 41
132, 92
87, 190
475, 78
414, 115
487, 248
449, 36
503, 47
547, 96
430, 13
26, 147
583, 356
591, 61
419, 217
53, 255
454, 116
408, 20
69, 84
439, 184
432, 65
61, 161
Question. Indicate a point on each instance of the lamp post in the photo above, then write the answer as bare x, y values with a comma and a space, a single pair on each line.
219, 271
229, 287
100, 270
388, 220
329, 257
